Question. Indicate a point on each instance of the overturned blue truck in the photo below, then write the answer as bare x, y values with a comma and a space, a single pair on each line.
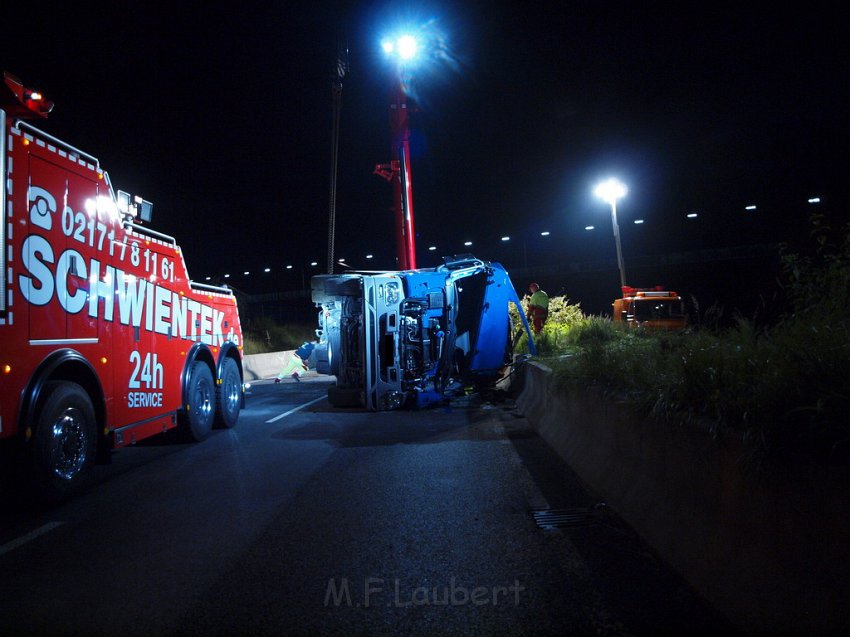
414, 338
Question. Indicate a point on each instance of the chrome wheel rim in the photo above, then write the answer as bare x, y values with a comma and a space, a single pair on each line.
69, 441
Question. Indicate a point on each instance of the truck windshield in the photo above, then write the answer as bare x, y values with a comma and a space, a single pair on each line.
658, 309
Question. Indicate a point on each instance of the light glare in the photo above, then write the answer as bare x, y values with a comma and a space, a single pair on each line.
406, 47
611, 190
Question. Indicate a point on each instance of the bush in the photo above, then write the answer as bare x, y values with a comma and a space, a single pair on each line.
563, 317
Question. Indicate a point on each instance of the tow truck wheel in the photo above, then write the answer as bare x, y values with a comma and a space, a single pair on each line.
65, 440
229, 395
201, 403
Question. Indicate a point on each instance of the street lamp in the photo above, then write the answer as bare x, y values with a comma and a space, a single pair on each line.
402, 51
610, 191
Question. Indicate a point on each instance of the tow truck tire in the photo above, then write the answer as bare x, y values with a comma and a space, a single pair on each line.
343, 397
228, 395
65, 440
200, 410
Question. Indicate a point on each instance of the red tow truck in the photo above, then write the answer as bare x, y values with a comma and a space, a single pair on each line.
104, 338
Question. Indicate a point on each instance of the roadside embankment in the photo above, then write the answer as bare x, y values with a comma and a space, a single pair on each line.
767, 547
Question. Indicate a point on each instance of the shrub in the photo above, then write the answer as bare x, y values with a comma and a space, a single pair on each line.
563, 317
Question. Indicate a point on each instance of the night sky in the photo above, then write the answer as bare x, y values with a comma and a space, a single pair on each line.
220, 114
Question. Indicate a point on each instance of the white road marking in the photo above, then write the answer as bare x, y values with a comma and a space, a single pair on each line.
11, 546
293, 410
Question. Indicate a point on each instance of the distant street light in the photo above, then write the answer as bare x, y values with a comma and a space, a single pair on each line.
610, 191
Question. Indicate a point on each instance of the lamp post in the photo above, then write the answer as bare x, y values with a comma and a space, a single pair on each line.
340, 70
402, 51
610, 191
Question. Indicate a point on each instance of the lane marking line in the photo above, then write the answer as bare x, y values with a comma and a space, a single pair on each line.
292, 411
17, 543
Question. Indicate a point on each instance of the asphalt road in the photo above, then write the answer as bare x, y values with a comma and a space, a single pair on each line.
308, 520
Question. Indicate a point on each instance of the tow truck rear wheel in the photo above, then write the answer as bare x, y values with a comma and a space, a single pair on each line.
228, 395
200, 408
65, 440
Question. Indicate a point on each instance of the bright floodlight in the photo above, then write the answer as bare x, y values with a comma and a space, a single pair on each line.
610, 191
405, 47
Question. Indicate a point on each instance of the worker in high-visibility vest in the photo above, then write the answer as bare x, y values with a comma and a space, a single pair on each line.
538, 308
296, 363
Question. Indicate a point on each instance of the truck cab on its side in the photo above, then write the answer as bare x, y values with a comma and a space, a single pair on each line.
413, 338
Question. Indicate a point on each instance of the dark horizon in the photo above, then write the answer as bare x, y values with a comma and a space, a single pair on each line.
222, 119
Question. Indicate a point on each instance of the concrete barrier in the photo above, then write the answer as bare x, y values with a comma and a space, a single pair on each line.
767, 547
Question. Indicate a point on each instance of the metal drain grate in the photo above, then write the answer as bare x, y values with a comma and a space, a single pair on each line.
565, 518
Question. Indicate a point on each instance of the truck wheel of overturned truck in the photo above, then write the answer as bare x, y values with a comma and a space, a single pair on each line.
228, 395
333, 352
65, 440
198, 418
343, 397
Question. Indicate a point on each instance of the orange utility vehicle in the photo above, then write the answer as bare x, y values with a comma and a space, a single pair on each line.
650, 308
